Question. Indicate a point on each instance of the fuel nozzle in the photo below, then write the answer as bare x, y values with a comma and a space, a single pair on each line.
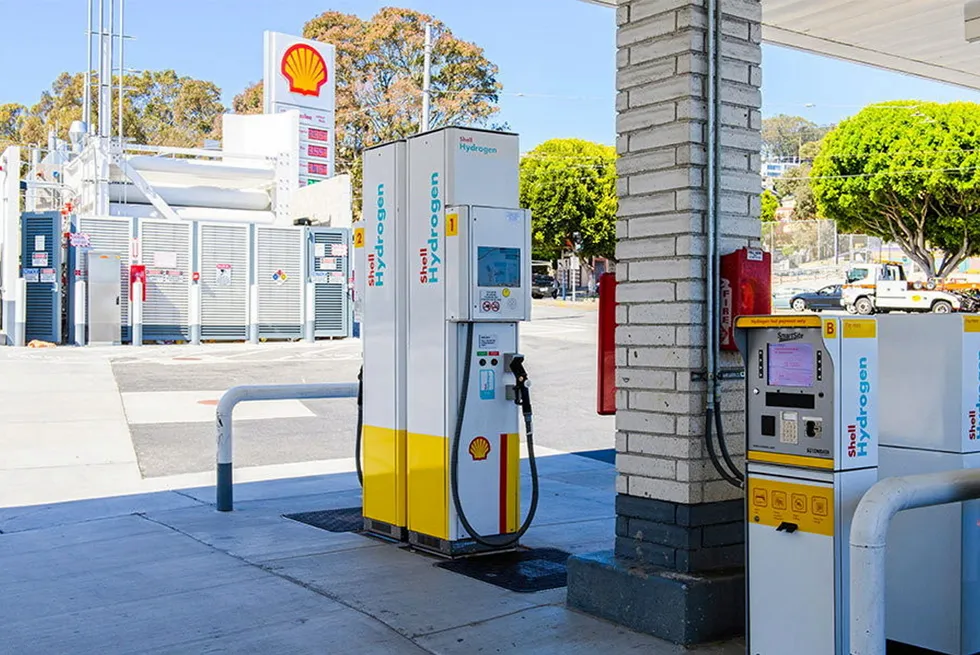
522, 396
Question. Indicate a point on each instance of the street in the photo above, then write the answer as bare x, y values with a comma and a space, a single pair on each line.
162, 399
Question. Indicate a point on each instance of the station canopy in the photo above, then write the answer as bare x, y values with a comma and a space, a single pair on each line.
926, 38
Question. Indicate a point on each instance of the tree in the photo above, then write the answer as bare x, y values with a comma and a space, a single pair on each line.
570, 187
907, 172
770, 203
795, 183
159, 108
11, 119
783, 136
379, 70
809, 151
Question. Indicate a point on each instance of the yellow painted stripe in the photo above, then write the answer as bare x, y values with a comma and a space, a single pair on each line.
790, 460
383, 451
777, 321
428, 485
513, 482
809, 506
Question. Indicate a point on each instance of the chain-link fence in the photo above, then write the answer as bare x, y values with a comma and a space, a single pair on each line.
809, 254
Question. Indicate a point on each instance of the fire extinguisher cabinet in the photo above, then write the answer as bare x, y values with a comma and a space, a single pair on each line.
746, 289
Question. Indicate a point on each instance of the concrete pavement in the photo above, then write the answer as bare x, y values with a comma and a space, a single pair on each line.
166, 573
110, 542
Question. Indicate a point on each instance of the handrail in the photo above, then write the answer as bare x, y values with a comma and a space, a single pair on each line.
230, 399
869, 528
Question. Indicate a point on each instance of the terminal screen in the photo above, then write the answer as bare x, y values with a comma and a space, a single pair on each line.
790, 365
498, 267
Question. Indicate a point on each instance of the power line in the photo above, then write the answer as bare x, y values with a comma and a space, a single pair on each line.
911, 171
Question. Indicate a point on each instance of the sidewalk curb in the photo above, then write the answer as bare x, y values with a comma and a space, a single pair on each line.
589, 305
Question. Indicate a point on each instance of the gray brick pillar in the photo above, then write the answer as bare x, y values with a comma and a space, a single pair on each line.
677, 570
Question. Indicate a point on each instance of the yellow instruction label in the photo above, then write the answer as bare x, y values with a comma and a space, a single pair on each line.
971, 323
810, 507
776, 321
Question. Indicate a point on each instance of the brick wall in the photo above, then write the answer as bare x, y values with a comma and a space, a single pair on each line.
662, 249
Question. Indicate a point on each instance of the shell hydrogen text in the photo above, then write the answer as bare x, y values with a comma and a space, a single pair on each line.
466, 144
858, 443
429, 271
376, 259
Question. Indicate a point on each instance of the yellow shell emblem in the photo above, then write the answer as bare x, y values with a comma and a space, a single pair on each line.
479, 449
305, 69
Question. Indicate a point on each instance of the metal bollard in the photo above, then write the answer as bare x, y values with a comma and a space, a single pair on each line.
253, 313
20, 327
137, 313
79, 318
224, 495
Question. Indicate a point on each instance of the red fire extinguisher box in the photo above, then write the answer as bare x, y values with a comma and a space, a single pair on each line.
746, 289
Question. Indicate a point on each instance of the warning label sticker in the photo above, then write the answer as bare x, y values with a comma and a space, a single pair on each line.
810, 507
487, 341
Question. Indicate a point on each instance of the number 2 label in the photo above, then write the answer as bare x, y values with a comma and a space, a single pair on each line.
359, 237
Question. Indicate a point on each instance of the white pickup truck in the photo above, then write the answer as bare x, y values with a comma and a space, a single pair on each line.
880, 288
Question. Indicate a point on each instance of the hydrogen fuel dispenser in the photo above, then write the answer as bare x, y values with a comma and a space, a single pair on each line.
381, 280
930, 400
445, 278
812, 452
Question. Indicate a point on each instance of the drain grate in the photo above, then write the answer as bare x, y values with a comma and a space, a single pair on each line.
348, 519
524, 571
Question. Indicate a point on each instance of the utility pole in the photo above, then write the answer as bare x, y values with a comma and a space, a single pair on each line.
122, 64
87, 101
426, 79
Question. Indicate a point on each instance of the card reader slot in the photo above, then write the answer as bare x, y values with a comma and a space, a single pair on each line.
793, 400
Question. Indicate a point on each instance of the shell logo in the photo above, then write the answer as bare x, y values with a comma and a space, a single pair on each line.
305, 69
479, 449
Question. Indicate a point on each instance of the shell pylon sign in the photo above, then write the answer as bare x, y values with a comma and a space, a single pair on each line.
299, 77
305, 69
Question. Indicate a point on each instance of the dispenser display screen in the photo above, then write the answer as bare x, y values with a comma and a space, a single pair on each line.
498, 267
790, 365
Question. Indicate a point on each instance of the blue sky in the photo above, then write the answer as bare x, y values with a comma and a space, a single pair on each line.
560, 53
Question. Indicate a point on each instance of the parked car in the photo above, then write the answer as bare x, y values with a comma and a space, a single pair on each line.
781, 297
544, 286
817, 301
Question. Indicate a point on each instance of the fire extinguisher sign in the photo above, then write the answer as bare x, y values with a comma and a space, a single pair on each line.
726, 312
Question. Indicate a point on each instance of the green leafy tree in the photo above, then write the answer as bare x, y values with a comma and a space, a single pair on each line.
570, 187
809, 151
11, 120
379, 70
784, 136
795, 183
907, 172
159, 108
770, 203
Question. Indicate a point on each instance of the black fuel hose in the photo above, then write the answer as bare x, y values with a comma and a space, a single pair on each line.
723, 443
360, 426
711, 419
497, 541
